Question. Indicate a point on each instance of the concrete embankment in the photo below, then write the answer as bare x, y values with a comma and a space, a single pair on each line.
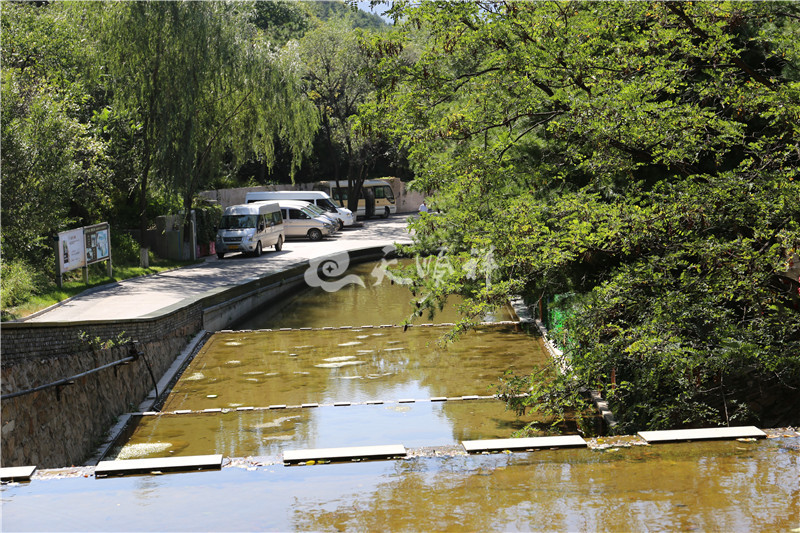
60, 425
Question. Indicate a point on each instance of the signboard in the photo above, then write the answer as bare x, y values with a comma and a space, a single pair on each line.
96, 238
81, 247
71, 254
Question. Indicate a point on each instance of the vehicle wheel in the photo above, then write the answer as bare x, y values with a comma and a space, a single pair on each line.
220, 255
386, 212
314, 234
341, 225
258, 249
279, 244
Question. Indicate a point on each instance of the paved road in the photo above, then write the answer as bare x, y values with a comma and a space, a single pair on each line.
145, 296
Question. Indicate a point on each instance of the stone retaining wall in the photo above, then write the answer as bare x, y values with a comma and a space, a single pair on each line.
60, 426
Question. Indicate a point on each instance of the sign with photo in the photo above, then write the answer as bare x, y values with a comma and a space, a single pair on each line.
96, 238
71, 252
81, 247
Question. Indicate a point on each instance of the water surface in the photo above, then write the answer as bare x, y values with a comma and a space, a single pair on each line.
716, 486
263, 368
378, 301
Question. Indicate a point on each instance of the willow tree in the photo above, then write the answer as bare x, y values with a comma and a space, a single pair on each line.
641, 157
203, 87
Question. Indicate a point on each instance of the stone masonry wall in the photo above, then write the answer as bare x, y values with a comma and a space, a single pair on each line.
60, 426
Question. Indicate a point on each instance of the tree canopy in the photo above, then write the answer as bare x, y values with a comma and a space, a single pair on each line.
640, 159
110, 105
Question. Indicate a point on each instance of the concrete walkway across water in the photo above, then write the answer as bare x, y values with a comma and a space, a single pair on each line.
146, 296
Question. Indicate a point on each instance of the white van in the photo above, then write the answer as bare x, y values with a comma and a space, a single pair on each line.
301, 219
342, 215
250, 228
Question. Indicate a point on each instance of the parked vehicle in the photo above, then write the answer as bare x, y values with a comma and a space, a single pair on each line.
250, 228
301, 219
376, 199
342, 215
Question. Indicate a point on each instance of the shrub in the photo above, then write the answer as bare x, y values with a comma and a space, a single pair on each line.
124, 249
18, 282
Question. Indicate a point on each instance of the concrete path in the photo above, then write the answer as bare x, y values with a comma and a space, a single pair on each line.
145, 296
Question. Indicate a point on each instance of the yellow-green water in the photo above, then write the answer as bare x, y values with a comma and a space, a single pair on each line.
699, 486
356, 305
261, 369
715, 486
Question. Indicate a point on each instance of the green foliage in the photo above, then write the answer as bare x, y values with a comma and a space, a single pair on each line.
281, 20
124, 249
641, 155
337, 84
18, 281
55, 172
553, 396
96, 343
199, 103
207, 216
327, 10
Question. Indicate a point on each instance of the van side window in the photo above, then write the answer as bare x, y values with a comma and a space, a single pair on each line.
277, 218
295, 214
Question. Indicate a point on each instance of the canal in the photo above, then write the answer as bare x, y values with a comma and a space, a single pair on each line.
353, 376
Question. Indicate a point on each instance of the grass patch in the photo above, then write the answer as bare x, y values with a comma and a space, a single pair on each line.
73, 285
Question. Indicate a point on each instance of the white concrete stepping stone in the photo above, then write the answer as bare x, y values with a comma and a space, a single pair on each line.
161, 464
682, 435
532, 443
344, 454
16, 473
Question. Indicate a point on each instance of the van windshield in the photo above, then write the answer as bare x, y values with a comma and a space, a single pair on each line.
313, 210
327, 205
238, 221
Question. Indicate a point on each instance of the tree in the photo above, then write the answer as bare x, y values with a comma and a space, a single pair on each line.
55, 171
203, 87
642, 156
336, 84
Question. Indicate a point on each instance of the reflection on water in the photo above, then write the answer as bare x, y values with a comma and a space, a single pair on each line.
264, 368
259, 369
699, 486
271, 432
353, 305
716, 486
358, 364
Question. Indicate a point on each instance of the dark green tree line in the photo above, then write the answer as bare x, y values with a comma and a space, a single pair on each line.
641, 156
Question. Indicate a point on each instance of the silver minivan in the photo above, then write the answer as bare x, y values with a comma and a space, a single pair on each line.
250, 228
300, 219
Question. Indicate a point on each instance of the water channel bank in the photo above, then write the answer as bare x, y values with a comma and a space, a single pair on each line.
61, 425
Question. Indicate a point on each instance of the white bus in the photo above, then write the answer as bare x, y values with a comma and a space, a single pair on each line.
377, 197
